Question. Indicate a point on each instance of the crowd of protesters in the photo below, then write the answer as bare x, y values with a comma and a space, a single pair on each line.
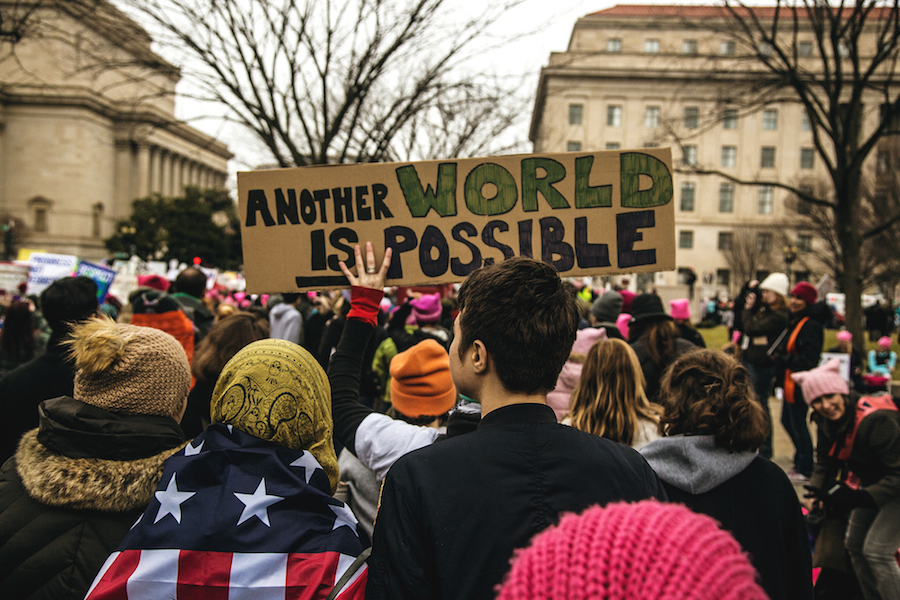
511, 437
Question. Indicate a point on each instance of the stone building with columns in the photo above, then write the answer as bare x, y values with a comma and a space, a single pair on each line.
87, 125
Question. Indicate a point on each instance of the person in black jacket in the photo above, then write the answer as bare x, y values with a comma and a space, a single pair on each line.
79, 481
800, 351
709, 461
452, 513
65, 302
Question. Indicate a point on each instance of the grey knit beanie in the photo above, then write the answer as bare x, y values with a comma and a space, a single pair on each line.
129, 369
607, 307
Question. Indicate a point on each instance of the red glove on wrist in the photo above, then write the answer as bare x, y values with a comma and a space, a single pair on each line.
364, 304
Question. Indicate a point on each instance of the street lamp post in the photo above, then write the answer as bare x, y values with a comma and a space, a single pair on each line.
790, 255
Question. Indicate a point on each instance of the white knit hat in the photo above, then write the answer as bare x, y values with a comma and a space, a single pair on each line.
777, 282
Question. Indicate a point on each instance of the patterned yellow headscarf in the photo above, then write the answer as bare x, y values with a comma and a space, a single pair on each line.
275, 390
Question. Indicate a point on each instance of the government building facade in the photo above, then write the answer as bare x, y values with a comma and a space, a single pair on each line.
87, 125
641, 76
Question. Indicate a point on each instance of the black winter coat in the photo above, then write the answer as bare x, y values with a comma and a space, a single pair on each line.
61, 517
452, 513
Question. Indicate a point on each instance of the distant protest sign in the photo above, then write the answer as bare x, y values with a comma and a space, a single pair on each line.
584, 213
47, 268
101, 275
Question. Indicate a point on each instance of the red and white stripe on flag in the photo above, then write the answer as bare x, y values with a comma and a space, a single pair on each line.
196, 575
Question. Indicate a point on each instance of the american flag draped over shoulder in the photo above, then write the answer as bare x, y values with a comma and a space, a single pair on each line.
235, 517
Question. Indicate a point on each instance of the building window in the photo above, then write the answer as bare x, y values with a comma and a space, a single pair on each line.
727, 48
689, 159
687, 196
804, 122
573, 146
726, 198
686, 239
729, 156
723, 277
767, 157
729, 118
726, 240
843, 49
804, 242
689, 47
576, 112
691, 117
40, 219
763, 242
766, 49
651, 117
614, 115
613, 145
766, 200
614, 45
883, 164
651, 46
804, 49
97, 220
770, 119
807, 158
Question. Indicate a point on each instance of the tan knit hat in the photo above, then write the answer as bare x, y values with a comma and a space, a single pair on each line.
129, 369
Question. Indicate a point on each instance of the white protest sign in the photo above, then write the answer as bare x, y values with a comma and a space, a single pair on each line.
47, 268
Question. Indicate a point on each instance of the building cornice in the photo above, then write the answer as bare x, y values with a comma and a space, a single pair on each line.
142, 115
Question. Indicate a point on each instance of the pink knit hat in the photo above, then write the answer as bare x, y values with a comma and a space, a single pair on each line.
643, 551
427, 309
680, 309
821, 381
622, 322
844, 336
884, 341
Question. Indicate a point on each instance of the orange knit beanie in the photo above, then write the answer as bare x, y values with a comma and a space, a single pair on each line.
420, 381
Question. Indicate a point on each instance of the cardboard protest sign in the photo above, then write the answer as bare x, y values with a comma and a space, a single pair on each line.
584, 213
47, 268
102, 276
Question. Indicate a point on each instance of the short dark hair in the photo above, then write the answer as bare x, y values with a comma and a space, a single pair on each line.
224, 340
191, 281
69, 300
527, 318
708, 392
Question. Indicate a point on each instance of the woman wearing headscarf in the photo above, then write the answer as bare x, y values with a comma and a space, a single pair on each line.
77, 483
857, 473
248, 504
709, 460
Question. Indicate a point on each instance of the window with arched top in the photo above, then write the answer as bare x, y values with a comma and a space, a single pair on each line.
40, 207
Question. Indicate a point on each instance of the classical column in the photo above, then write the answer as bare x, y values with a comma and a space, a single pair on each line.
156, 170
166, 182
125, 172
177, 172
142, 178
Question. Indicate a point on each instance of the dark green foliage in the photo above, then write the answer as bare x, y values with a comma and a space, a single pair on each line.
202, 222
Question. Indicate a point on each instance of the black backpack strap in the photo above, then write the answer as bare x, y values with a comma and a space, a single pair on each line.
339, 586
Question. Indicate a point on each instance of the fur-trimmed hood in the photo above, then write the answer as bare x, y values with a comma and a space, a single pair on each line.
87, 483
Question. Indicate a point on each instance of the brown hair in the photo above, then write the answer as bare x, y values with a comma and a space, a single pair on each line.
527, 318
706, 392
223, 341
661, 334
609, 400
780, 302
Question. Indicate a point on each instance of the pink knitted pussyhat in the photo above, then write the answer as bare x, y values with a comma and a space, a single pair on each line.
644, 551
824, 380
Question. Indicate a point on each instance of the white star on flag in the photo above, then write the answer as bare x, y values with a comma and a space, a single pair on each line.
255, 504
343, 517
190, 450
170, 501
309, 464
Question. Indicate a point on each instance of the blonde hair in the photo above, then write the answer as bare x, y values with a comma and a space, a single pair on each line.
609, 400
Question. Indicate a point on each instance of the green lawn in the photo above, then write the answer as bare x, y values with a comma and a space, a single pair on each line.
717, 337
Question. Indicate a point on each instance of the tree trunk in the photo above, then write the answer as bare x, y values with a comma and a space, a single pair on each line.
850, 242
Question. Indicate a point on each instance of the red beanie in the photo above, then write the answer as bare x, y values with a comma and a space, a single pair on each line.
806, 292
643, 551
